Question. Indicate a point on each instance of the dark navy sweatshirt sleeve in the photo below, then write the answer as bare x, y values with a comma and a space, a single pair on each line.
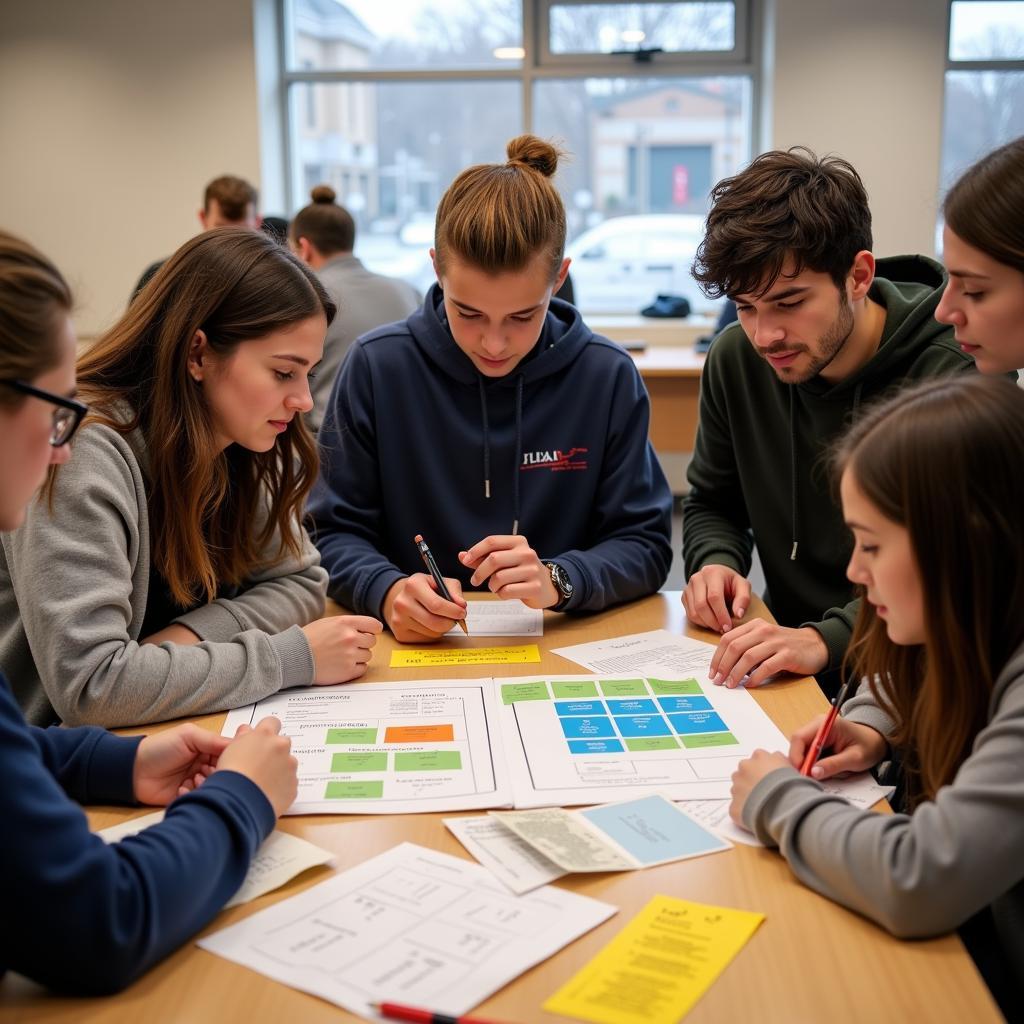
347, 501
84, 916
631, 520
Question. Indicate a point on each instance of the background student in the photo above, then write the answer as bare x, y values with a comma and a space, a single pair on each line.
983, 249
823, 328
494, 423
932, 488
323, 236
165, 571
80, 915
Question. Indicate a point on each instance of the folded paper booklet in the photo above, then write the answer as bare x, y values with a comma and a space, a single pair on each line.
621, 836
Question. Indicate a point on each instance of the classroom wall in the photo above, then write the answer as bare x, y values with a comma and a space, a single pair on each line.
114, 115
865, 80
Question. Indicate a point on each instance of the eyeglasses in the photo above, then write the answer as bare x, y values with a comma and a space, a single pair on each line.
66, 417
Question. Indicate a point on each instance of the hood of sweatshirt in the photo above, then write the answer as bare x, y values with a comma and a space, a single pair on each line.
562, 338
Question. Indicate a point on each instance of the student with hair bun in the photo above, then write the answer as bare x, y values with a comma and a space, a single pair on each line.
983, 249
494, 423
323, 235
83, 916
165, 570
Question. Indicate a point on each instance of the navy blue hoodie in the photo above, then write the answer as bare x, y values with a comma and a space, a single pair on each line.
416, 440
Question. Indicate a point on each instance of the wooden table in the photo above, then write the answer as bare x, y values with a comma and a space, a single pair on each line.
672, 376
810, 960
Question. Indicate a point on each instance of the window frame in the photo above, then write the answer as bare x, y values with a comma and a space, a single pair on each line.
983, 64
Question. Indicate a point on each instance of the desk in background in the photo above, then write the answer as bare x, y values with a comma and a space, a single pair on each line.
810, 961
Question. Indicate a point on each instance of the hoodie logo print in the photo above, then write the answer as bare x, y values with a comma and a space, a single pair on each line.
556, 460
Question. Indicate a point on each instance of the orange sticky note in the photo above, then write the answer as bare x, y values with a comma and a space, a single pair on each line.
419, 734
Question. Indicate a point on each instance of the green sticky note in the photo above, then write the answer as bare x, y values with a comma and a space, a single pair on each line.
623, 688
667, 686
359, 762
709, 739
584, 688
369, 790
512, 692
652, 743
428, 761
352, 736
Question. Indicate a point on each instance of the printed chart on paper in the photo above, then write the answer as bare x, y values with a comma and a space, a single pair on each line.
390, 748
580, 740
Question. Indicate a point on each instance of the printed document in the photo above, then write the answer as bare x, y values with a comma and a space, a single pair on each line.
501, 618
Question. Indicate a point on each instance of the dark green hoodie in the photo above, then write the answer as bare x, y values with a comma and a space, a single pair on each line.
760, 470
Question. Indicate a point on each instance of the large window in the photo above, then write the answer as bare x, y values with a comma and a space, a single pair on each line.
984, 82
654, 102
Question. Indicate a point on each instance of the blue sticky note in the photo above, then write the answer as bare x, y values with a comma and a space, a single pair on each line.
579, 707
643, 725
684, 703
633, 706
699, 721
587, 728
595, 747
653, 830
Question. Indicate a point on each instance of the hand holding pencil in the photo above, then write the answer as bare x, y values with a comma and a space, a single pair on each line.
418, 609
853, 747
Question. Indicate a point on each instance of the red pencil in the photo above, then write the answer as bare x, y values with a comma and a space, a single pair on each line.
398, 1012
824, 731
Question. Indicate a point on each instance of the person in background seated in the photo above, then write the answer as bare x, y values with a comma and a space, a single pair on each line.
932, 486
494, 423
227, 201
823, 328
82, 916
983, 249
169, 557
323, 235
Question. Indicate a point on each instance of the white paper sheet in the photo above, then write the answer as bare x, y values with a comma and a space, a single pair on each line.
860, 790
278, 860
390, 748
514, 862
409, 926
651, 653
622, 836
501, 618
595, 739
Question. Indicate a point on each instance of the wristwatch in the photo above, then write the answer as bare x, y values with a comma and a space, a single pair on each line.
561, 581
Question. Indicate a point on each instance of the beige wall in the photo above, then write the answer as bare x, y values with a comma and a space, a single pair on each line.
864, 79
114, 114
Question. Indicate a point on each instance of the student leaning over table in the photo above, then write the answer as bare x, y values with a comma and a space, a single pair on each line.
494, 423
932, 488
164, 571
823, 329
983, 249
79, 915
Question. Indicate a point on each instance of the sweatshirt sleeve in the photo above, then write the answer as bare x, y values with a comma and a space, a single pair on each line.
346, 502
72, 571
631, 520
918, 875
836, 628
86, 917
716, 526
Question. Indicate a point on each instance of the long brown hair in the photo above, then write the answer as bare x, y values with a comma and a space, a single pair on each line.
33, 299
945, 460
984, 206
498, 217
205, 505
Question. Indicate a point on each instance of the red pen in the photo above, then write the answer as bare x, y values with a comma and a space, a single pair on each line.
824, 731
398, 1012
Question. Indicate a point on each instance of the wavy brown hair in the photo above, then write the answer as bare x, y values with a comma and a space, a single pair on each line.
206, 529
945, 460
498, 217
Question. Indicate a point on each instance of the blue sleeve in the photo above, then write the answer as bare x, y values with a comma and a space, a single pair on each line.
631, 521
82, 916
346, 501
91, 765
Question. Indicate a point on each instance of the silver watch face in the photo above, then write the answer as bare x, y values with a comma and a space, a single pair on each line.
560, 578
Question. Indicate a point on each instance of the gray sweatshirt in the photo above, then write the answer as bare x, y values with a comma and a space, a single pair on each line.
73, 591
923, 874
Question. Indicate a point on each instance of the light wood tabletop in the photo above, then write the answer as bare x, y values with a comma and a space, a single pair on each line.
810, 961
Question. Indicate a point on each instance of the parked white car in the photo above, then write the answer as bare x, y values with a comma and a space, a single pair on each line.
620, 265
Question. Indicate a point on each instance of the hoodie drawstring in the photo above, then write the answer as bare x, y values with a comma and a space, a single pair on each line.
518, 447
793, 482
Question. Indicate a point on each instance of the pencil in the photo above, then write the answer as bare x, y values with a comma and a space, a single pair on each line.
824, 731
432, 568
411, 1013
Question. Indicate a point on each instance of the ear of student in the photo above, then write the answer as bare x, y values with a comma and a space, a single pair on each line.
197, 351
862, 274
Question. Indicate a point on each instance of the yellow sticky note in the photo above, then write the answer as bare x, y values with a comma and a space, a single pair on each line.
658, 966
430, 656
